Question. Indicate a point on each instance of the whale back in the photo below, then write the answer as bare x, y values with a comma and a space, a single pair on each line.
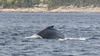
50, 33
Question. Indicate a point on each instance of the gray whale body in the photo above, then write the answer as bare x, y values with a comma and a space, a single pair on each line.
50, 33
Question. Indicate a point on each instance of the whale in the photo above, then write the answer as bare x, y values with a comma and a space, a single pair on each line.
48, 33
51, 33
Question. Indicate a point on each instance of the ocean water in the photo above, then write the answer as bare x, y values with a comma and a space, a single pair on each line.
14, 27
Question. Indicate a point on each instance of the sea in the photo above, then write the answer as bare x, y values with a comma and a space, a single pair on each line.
15, 26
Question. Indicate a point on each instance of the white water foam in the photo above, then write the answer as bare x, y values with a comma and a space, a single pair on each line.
74, 39
34, 36
67, 38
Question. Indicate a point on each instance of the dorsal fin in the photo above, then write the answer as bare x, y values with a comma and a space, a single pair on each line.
50, 27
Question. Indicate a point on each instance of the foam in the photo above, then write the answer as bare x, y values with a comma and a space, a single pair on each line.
74, 39
34, 36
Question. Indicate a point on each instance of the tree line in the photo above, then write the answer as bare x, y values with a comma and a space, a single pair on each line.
51, 3
74, 3
18, 3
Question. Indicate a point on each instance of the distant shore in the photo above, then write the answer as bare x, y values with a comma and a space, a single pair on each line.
60, 9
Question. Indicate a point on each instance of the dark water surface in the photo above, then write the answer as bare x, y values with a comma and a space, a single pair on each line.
14, 27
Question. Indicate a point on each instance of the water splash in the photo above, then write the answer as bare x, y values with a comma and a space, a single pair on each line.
34, 36
37, 36
74, 39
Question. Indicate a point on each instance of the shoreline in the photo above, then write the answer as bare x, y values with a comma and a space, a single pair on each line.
32, 10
